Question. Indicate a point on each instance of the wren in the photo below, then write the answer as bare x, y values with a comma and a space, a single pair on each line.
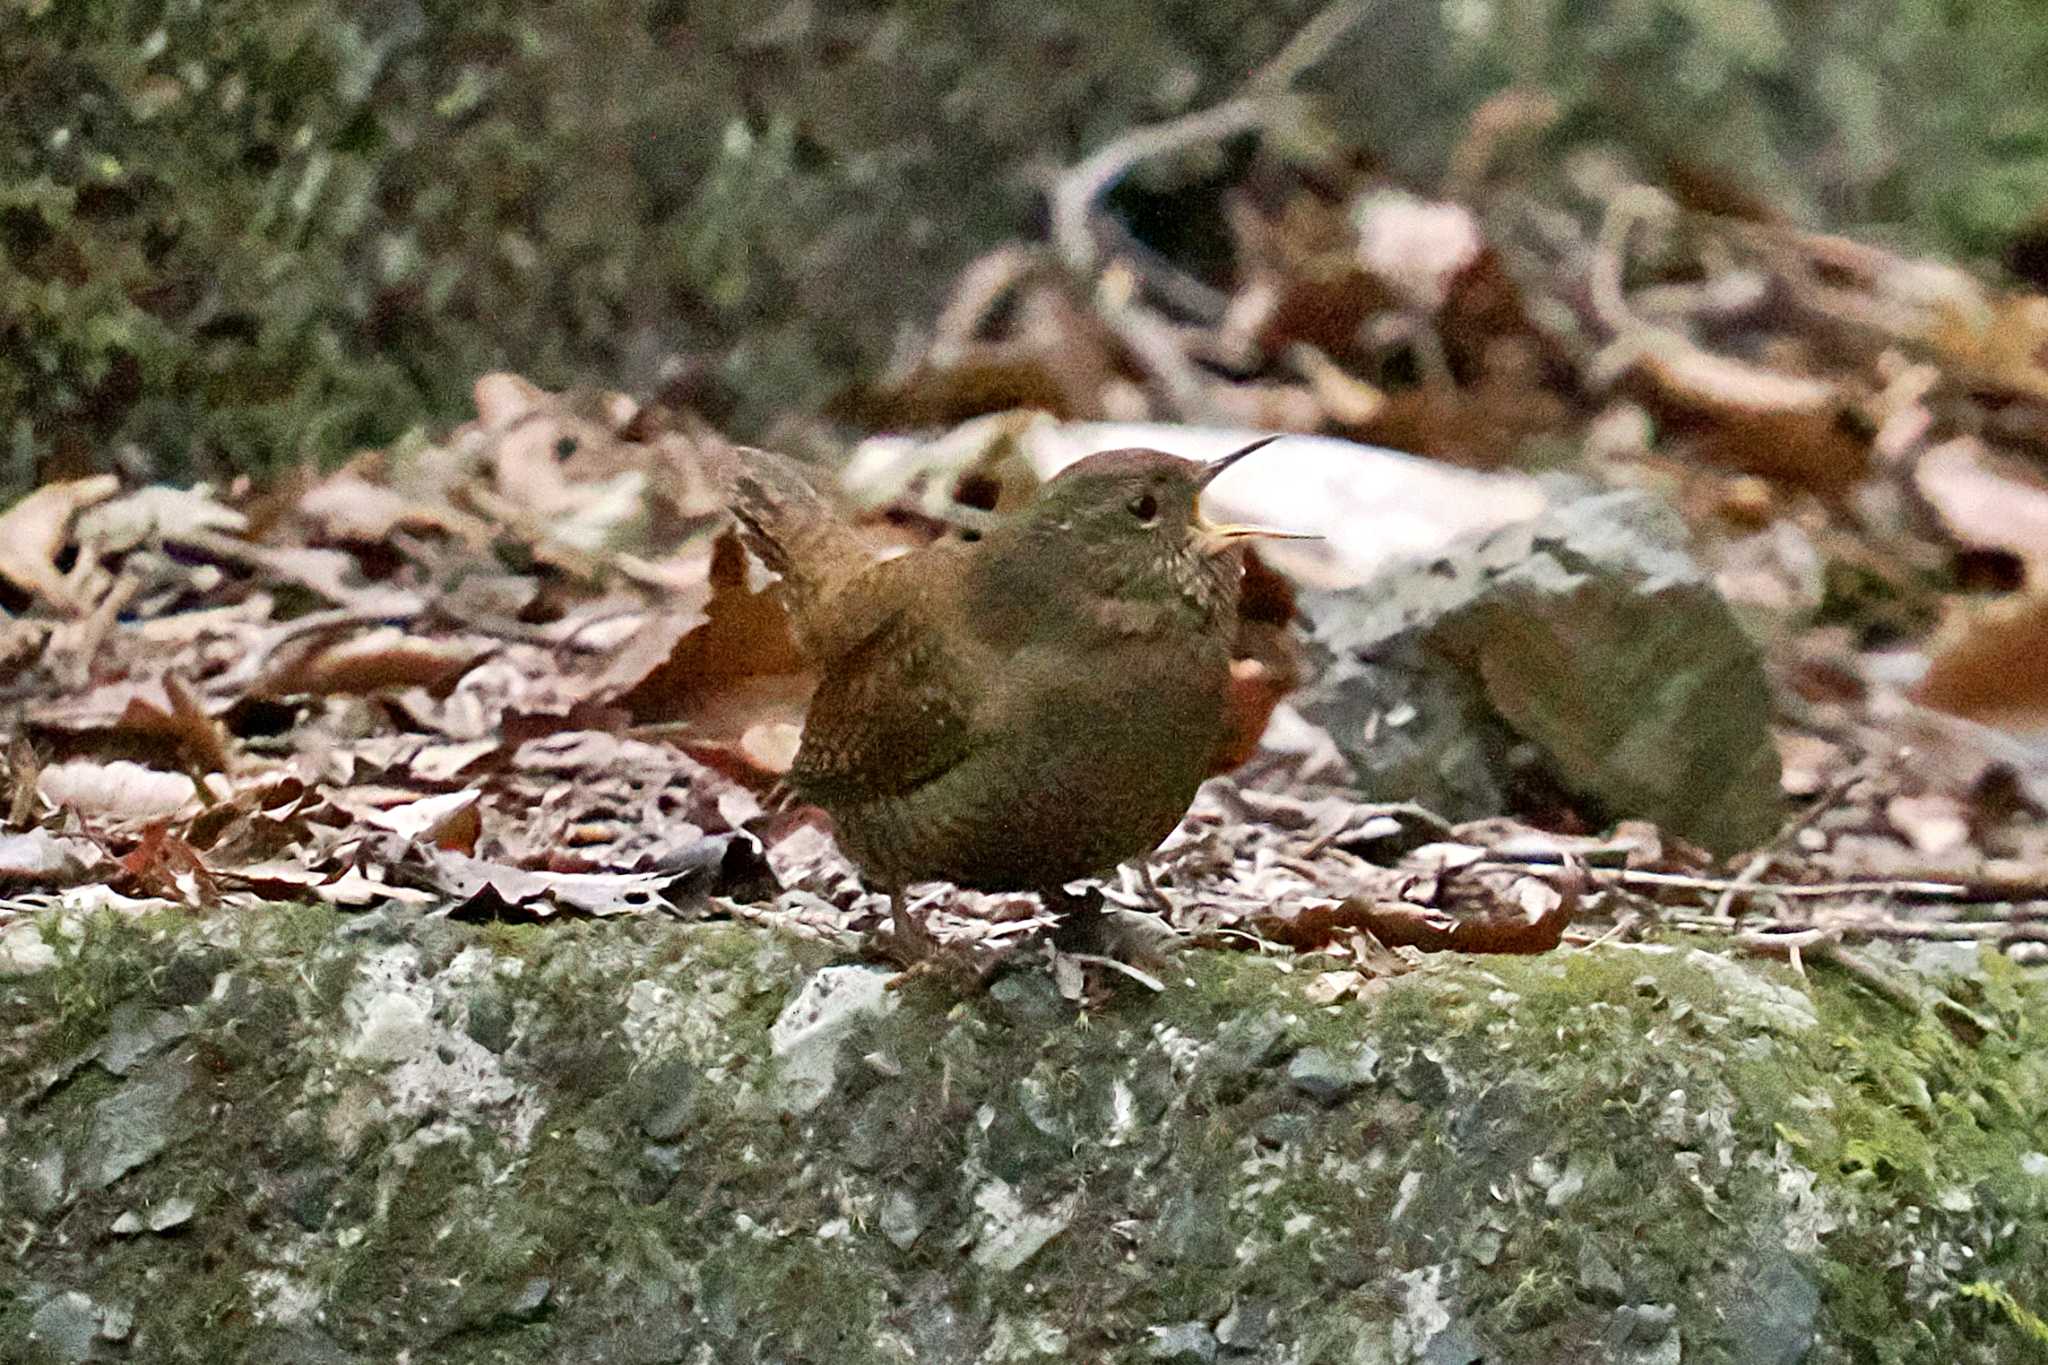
1017, 709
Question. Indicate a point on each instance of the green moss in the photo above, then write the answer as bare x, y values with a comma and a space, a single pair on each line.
517, 939
293, 930
1547, 1138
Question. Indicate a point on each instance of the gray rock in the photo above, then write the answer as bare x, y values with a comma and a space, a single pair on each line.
65, 1325
308, 1195
1328, 1077
1003, 1193
489, 1021
134, 1123
943, 1330
665, 1097
1599, 1281
1193, 1230
1250, 1042
1457, 1344
1422, 1078
1645, 1334
43, 1183
117, 1322
1585, 650
1246, 1325
806, 1036
172, 1213
902, 1220
1008, 1232
530, 1304
1028, 999
135, 1032
1182, 1341
1772, 1311
1283, 1130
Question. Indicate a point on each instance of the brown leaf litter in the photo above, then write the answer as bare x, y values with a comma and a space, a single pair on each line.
517, 670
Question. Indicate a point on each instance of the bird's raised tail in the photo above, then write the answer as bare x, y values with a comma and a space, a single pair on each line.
797, 530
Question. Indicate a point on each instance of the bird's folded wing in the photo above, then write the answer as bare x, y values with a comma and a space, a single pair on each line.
897, 702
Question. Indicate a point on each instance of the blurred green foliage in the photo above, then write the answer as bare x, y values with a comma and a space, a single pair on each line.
239, 232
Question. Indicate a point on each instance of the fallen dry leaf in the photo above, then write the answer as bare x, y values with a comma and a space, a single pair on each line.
1934, 824
491, 888
451, 821
1990, 664
35, 530
1474, 910
382, 660
2000, 344
156, 513
1416, 247
121, 792
348, 507
166, 865
39, 858
1987, 501
723, 672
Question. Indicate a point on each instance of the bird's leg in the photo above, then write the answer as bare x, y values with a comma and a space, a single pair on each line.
907, 941
1148, 890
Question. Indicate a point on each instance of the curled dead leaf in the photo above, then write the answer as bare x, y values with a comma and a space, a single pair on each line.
40, 858
120, 792
384, 659
451, 821
1987, 502
724, 673
1468, 910
1990, 664
35, 530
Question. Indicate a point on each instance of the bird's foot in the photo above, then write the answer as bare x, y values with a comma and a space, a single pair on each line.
905, 941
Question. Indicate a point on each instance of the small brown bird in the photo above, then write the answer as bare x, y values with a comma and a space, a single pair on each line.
1018, 709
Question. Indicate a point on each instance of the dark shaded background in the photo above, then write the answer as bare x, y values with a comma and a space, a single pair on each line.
233, 234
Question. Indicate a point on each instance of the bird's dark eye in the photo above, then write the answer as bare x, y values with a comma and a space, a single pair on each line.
1144, 507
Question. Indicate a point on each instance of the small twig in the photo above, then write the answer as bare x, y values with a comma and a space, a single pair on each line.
986, 281
1152, 343
1791, 940
1145, 979
1310, 44
1823, 944
1075, 195
1951, 931
1884, 927
1634, 205
1263, 103
1954, 892
1753, 871
1879, 982
1611, 856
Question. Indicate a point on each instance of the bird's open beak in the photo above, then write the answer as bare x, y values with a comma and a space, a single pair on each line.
1213, 537
1216, 537
1217, 466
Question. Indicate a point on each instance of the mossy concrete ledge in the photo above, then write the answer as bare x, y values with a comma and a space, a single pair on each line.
297, 1137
